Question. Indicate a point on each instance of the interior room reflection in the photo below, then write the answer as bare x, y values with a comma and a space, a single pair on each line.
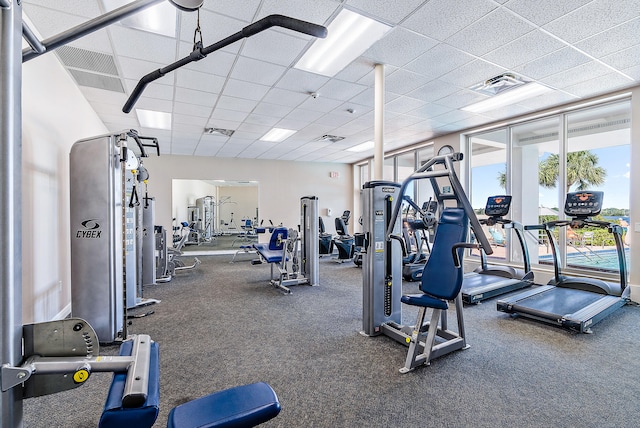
214, 214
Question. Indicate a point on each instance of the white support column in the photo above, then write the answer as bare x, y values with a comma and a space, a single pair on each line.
378, 154
633, 233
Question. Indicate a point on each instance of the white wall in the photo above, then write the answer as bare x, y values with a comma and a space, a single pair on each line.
281, 184
55, 115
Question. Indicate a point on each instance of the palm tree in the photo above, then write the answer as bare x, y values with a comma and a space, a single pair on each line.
581, 170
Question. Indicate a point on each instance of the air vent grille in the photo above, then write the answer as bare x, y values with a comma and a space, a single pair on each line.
98, 81
87, 60
330, 138
219, 131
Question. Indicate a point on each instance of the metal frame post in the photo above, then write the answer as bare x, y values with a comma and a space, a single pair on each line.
11, 204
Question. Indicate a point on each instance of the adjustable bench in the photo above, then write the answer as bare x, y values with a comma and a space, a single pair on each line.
245, 406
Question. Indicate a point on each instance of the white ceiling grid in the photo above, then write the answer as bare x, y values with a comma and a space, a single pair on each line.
436, 50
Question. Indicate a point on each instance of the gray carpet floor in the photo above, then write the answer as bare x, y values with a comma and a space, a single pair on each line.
222, 325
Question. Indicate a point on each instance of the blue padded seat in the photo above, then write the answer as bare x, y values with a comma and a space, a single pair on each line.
272, 252
424, 300
441, 279
242, 406
116, 416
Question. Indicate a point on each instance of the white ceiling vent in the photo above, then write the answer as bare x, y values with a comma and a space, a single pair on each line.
93, 69
330, 138
219, 131
99, 81
497, 84
87, 60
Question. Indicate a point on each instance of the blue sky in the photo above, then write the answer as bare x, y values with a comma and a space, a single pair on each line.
615, 161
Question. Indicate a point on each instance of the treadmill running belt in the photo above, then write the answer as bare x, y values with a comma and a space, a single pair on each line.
559, 301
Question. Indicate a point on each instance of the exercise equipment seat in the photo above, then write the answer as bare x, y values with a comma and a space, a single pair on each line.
344, 242
326, 240
441, 282
272, 252
241, 406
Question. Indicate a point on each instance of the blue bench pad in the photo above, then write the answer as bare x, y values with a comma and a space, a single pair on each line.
271, 256
424, 300
242, 406
116, 416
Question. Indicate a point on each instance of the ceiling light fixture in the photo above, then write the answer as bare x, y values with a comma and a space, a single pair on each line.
362, 147
349, 35
277, 135
219, 131
508, 97
154, 119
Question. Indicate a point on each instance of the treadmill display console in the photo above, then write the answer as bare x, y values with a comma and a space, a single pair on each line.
583, 204
497, 206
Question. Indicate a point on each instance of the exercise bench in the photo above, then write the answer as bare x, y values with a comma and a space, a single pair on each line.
246, 405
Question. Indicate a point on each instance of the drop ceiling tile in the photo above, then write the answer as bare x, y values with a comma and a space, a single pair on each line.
131, 68
272, 109
434, 90
340, 90
249, 91
285, 97
155, 104
544, 11
438, 61
461, 99
143, 45
236, 104
192, 109
104, 97
633, 72
600, 85
613, 40
153, 90
288, 123
624, 59
524, 49
387, 11
224, 124
401, 81
300, 114
252, 70
259, 119
190, 120
404, 104
251, 128
490, 32
273, 47
367, 98
184, 131
192, 96
593, 18
581, 73
244, 10
208, 149
358, 71
317, 11
472, 73
440, 19
195, 80
321, 103
398, 47
301, 81
555, 62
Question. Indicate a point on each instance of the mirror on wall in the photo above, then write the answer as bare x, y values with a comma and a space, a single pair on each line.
220, 213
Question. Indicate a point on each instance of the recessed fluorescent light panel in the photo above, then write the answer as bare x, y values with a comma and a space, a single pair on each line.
277, 135
349, 35
362, 147
508, 97
154, 119
159, 19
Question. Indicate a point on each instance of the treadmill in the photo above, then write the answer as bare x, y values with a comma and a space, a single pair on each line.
488, 281
574, 303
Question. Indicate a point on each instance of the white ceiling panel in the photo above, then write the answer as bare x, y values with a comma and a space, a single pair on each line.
435, 51
441, 19
544, 11
479, 37
390, 11
524, 49
593, 18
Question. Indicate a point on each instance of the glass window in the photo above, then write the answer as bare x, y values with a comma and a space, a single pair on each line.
389, 170
598, 153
